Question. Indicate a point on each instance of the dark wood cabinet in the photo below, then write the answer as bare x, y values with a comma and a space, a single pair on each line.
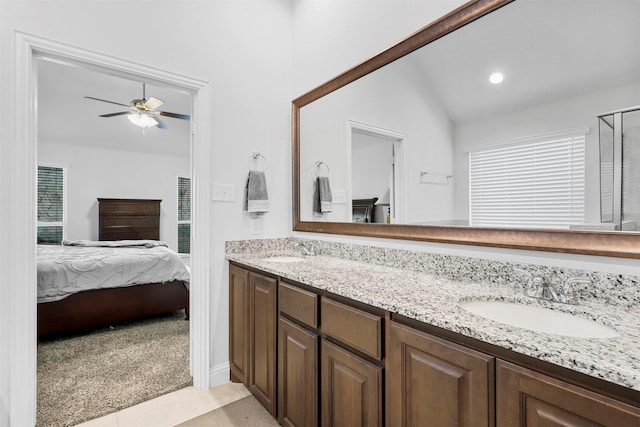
351, 389
528, 398
124, 219
433, 382
297, 375
343, 363
263, 337
321, 362
253, 333
239, 320
356, 328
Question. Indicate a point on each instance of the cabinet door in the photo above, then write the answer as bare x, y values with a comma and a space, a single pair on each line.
297, 375
239, 324
351, 389
433, 382
262, 381
529, 398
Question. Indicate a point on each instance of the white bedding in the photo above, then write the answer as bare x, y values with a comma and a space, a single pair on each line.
68, 269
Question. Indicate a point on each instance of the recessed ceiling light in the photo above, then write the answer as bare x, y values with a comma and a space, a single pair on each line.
496, 78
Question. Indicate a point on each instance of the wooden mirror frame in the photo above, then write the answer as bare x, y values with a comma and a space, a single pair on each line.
609, 243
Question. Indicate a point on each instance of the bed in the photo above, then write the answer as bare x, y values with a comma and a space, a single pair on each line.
78, 288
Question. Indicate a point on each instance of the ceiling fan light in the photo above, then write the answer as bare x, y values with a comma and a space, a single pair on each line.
142, 120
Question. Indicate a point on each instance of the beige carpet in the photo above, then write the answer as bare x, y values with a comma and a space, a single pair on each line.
241, 413
87, 376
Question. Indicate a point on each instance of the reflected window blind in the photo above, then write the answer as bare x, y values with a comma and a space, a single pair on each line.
184, 215
51, 194
532, 184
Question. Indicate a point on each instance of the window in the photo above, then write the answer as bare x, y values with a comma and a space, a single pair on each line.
533, 184
184, 215
51, 205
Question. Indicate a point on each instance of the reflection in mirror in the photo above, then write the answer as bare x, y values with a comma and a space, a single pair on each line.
619, 171
530, 152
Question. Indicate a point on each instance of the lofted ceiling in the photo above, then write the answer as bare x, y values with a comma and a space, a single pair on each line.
66, 117
547, 50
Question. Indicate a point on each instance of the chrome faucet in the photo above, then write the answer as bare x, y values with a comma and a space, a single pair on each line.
541, 288
568, 293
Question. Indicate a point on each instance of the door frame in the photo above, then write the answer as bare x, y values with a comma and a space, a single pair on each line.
22, 215
397, 139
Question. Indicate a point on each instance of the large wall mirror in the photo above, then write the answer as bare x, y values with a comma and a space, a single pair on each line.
505, 123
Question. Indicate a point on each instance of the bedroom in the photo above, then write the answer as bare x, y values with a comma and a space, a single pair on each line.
90, 160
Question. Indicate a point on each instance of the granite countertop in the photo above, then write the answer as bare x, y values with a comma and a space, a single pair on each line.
435, 299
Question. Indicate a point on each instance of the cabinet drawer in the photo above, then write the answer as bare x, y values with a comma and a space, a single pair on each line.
299, 304
129, 234
115, 223
354, 327
129, 207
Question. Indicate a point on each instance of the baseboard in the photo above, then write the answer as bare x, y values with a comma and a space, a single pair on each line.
4, 413
219, 374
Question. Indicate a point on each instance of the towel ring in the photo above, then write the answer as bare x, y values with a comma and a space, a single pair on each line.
319, 164
255, 157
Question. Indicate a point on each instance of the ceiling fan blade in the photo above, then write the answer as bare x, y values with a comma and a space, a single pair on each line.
174, 115
153, 103
104, 100
115, 114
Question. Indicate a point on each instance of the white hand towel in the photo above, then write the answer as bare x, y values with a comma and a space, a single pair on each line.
322, 197
257, 197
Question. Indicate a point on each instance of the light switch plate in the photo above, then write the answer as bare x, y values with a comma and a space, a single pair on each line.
339, 196
223, 192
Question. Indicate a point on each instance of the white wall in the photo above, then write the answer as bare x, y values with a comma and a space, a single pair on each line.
332, 36
242, 48
94, 172
371, 166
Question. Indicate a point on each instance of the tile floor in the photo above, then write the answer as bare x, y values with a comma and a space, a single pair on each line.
172, 408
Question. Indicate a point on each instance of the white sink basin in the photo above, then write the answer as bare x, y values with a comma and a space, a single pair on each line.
283, 259
539, 319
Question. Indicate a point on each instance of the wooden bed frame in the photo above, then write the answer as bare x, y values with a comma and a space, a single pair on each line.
130, 219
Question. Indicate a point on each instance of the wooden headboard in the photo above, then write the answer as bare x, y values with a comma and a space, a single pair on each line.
129, 219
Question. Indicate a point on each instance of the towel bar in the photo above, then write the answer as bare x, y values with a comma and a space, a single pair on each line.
255, 157
319, 164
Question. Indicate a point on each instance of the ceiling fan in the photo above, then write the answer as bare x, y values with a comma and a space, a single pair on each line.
143, 112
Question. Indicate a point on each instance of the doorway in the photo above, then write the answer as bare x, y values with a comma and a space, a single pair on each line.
82, 136
23, 339
376, 170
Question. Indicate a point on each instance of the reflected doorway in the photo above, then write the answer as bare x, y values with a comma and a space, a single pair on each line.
376, 173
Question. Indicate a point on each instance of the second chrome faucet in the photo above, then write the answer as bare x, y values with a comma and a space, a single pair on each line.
539, 287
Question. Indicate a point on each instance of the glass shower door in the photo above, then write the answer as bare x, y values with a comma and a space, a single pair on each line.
620, 169
606, 168
631, 171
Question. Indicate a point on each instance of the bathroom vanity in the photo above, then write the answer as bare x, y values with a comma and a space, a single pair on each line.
371, 336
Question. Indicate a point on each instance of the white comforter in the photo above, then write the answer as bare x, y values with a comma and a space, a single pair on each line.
84, 265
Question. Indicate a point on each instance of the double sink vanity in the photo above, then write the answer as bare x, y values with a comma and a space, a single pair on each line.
358, 335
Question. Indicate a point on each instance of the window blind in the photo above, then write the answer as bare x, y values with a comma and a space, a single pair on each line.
184, 199
533, 184
51, 194
184, 215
